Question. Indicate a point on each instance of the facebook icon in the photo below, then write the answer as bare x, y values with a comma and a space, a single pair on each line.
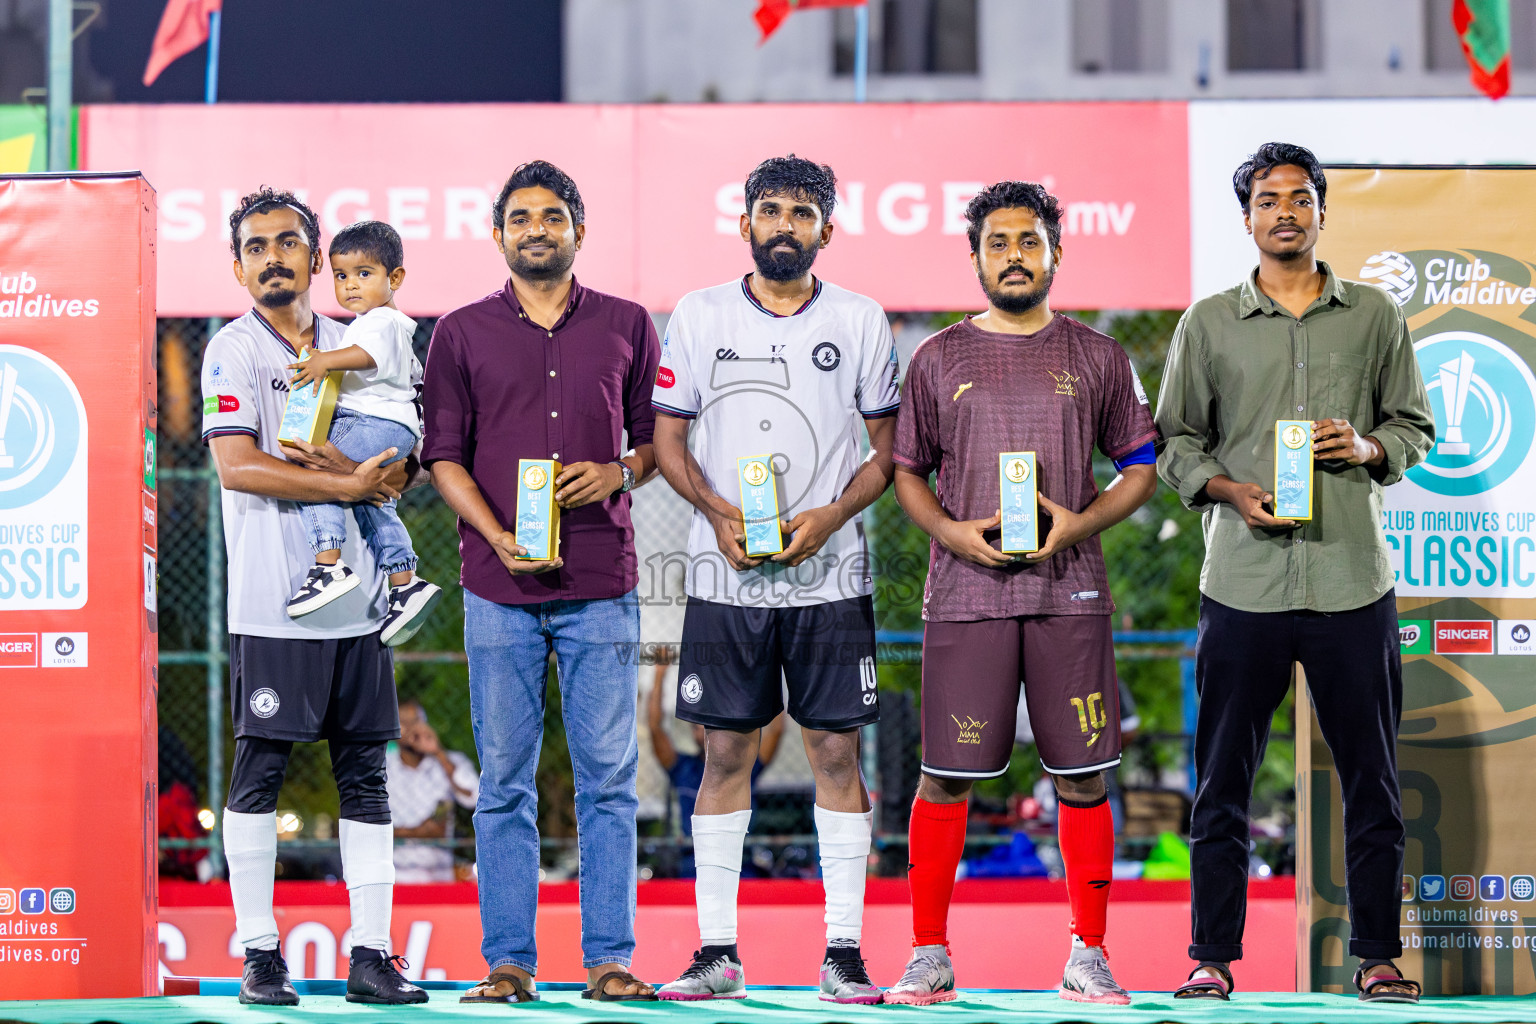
1491, 888
33, 901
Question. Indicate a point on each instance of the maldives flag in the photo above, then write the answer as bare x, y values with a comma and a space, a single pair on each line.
183, 28
770, 14
1483, 27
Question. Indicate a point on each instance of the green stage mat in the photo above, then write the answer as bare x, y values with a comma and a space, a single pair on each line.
792, 1007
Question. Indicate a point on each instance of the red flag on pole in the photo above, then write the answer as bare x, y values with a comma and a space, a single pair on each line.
183, 28
770, 14
1483, 28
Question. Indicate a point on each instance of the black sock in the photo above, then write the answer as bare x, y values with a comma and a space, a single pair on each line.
844, 952
711, 952
361, 953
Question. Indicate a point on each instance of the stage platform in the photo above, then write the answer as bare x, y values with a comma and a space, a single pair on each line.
562, 1004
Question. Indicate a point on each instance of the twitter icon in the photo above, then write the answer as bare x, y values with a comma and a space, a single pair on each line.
1431, 888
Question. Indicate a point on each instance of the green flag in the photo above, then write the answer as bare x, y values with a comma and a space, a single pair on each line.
1483, 28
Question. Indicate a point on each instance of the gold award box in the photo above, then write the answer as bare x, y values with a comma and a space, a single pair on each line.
1293, 469
1019, 500
759, 505
538, 517
307, 416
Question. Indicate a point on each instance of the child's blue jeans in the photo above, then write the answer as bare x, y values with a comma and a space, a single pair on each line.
360, 437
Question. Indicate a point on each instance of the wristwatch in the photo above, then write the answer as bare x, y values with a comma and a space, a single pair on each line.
629, 476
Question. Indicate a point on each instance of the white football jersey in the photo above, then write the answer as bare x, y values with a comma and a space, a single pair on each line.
245, 390
793, 387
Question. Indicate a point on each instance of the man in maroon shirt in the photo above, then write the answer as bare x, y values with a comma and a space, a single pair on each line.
547, 369
1017, 378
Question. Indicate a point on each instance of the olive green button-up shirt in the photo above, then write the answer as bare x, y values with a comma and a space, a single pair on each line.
1238, 362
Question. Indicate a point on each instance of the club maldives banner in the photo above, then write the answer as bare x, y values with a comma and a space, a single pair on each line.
1455, 250
662, 187
78, 642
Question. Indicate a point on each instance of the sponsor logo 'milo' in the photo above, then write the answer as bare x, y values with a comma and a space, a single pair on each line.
1414, 636
1463, 636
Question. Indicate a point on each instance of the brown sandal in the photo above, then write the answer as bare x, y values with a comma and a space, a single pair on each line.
600, 991
501, 987
1384, 988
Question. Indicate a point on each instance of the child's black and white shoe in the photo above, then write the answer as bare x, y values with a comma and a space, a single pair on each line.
409, 607
324, 584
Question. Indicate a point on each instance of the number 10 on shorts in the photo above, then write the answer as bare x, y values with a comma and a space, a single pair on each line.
1091, 715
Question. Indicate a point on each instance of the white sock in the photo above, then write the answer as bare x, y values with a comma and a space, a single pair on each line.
250, 850
717, 843
844, 838
368, 864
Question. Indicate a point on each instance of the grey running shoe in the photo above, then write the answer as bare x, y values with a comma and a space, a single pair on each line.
846, 981
1086, 978
708, 977
929, 978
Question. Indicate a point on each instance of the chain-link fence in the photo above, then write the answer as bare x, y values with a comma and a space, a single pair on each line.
1154, 561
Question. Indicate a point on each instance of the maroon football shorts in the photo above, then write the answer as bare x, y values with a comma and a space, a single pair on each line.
971, 677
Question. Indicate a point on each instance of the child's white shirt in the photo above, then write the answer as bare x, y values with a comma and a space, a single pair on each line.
387, 391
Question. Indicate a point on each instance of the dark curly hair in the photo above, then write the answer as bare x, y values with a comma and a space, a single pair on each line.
1272, 155
1024, 195
539, 174
264, 200
795, 177
372, 238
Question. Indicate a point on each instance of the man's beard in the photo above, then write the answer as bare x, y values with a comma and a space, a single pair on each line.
555, 266
783, 266
1014, 301
282, 297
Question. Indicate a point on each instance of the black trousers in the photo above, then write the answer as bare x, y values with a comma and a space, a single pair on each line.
256, 777
1355, 677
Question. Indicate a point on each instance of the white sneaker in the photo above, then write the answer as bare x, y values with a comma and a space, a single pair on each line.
929, 978
409, 607
1086, 978
847, 981
708, 977
324, 584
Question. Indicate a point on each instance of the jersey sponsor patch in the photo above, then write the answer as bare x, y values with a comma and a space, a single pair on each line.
826, 356
692, 690
665, 378
220, 403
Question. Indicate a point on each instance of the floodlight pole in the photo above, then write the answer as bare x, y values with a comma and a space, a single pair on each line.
861, 53
61, 73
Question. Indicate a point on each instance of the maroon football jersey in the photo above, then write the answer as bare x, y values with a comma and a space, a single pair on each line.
1061, 392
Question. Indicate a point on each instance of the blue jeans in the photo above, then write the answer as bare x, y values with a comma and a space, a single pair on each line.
595, 645
360, 438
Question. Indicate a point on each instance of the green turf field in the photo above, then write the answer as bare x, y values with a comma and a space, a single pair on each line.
790, 1006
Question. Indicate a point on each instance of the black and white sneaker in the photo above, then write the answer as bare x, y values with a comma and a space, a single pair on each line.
324, 584
409, 607
264, 980
373, 977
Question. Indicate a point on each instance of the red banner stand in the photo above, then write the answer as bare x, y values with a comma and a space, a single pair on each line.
78, 643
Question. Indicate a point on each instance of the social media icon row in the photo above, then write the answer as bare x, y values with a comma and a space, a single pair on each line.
37, 901
1466, 888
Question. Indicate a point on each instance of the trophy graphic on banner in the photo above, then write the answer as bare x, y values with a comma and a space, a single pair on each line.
307, 416
1019, 499
1293, 469
538, 516
1455, 385
759, 506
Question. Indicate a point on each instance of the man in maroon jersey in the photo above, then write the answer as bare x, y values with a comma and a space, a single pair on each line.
1017, 378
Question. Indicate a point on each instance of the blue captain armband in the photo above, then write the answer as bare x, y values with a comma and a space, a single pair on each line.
1143, 456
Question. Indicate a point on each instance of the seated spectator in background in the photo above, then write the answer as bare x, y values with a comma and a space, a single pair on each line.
686, 771
424, 782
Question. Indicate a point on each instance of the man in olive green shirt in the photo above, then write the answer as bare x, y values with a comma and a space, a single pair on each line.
1294, 342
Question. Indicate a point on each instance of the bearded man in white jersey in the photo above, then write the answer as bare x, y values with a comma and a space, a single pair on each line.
327, 675
778, 362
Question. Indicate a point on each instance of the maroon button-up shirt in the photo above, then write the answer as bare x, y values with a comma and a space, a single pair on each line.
500, 388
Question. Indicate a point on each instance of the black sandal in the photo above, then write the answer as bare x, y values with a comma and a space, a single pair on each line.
1205, 986
1398, 989
600, 991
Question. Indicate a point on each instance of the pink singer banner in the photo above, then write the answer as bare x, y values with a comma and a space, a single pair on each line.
662, 187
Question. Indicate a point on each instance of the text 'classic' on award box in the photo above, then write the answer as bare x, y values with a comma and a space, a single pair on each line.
1293, 469
307, 416
1019, 501
538, 517
759, 505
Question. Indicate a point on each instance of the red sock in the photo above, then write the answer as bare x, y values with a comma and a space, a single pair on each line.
935, 841
1087, 838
